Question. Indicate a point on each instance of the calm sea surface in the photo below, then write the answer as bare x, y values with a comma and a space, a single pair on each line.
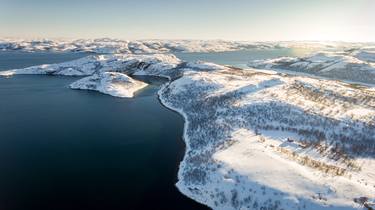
70, 149
241, 58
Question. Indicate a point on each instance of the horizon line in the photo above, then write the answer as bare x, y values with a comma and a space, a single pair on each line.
178, 39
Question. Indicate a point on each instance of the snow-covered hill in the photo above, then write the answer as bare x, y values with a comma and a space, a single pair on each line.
261, 141
102, 63
353, 65
111, 83
258, 140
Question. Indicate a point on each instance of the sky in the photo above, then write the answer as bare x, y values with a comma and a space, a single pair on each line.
253, 20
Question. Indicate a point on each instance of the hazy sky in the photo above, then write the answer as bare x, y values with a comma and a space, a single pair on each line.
346, 20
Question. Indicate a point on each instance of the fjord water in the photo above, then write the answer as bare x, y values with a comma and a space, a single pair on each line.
70, 149
19, 59
242, 57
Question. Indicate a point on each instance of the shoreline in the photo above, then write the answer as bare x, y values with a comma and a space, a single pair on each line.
186, 141
204, 191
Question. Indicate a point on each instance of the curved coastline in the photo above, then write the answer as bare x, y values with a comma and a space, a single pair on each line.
202, 193
186, 140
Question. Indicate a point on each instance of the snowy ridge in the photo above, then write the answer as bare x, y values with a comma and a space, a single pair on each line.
353, 65
258, 141
101, 63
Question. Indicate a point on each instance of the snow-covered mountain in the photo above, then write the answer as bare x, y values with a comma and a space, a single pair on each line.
107, 45
354, 65
137, 46
256, 140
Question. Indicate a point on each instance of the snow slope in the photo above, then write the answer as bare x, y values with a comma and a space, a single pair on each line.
111, 83
102, 63
265, 141
353, 65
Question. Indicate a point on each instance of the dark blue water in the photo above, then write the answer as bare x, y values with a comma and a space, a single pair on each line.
242, 57
13, 60
71, 149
